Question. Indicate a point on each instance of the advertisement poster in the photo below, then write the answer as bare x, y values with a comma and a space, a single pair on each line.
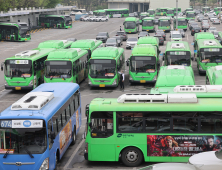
181, 145
77, 119
65, 135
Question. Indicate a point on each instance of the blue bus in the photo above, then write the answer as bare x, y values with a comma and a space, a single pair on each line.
36, 130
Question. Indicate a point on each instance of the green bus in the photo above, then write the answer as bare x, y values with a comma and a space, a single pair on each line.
123, 11
143, 15
202, 35
171, 76
214, 75
55, 21
164, 24
57, 44
143, 64
25, 71
153, 127
150, 40
100, 12
177, 53
190, 15
66, 65
151, 12
104, 65
206, 9
177, 10
14, 32
157, 12
163, 11
131, 25
209, 53
188, 9
87, 44
182, 23
148, 24
170, 12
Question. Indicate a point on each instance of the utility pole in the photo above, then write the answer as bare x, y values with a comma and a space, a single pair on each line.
177, 15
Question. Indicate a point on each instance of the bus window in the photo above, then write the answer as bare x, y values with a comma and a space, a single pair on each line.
72, 107
68, 112
130, 122
55, 127
59, 122
49, 132
157, 124
63, 118
102, 124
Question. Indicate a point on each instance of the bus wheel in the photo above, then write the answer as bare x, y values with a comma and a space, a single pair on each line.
57, 160
132, 157
73, 137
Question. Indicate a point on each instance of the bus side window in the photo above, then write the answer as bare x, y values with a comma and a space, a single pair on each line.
64, 118
68, 113
59, 122
72, 107
76, 102
55, 126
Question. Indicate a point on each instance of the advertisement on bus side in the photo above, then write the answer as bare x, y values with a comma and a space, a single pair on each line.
65, 135
181, 145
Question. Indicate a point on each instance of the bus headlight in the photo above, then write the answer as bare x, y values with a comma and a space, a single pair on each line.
31, 82
200, 68
6, 84
45, 164
155, 77
89, 82
130, 78
114, 82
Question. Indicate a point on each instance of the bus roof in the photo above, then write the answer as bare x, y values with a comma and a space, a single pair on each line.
204, 35
34, 54
148, 40
61, 93
171, 76
48, 15
9, 24
215, 72
144, 14
144, 50
177, 46
107, 52
54, 44
164, 8
85, 44
164, 18
131, 19
208, 43
148, 18
170, 8
66, 54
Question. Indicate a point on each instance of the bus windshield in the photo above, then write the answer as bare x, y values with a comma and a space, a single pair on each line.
130, 25
23, 140
18, 68
163, 10
144, 64
142, 16
178, 58
151, 12
68, 21
190, 15
102, 68
58, 69
182, 23
23, 31
170, 12
148, 23
164, 23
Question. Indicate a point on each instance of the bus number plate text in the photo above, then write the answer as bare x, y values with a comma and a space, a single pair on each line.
6, 124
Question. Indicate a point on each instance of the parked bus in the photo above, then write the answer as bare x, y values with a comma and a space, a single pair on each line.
164, 24
57, 44
150, 40
39, 141
104, 65
177, 53
66, 65
142, 16
14, 32
171, 76
177, 10
143, 64
209, 53
123, 11
170, 12
202, 35
131, 25
148, 24
190, 15
188, 9
87, 44
25, 71
151, 12
99, 12
206, 9
163, 11
154, 128
182, 23
214, 75
55, 21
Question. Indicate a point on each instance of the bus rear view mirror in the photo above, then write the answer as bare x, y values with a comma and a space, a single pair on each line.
2, 66
90, 125
87, 110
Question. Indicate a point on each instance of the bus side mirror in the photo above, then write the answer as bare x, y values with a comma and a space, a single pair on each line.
192, 58
90, 125
87, 110
2, 66
127, 62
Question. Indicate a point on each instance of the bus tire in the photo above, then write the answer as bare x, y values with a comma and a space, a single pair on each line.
73, 137
57, 160
132, 157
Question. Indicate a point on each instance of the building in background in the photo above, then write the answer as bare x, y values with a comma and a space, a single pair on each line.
144, 5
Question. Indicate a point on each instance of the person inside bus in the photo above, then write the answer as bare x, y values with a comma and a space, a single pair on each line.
121, 79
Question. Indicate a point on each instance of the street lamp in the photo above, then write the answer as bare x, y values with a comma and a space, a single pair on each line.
177, 14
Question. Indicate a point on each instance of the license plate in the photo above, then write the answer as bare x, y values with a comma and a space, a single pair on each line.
129, 31
163, 30
25, 39
147, 30
102, 85
17, 88
142, 81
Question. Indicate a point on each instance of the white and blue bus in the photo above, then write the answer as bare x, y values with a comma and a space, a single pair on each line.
36, 130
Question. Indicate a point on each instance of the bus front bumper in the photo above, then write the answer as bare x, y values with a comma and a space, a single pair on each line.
142, 81
30, 87
102, 85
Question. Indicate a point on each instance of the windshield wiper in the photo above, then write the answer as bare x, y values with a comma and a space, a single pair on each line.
11, 76
51, 78
206, 63
6, 154
30, 154
23, 77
